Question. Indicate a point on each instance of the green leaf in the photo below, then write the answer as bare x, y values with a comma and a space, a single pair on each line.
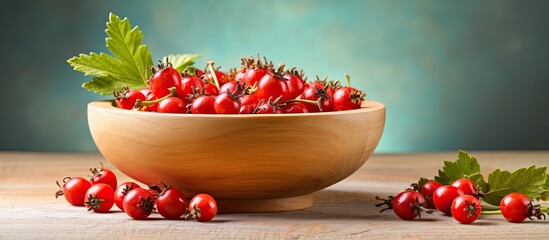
129, 66
529, 181
103, 85
464, 167
181, 61
545, 195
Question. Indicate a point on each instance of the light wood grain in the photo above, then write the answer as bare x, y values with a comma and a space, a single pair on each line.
343, 211
276, 158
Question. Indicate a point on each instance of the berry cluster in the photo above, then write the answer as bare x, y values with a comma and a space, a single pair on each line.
257, 87
101, 192
460, 200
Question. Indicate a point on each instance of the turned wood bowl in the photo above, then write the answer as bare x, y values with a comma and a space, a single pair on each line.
249, 163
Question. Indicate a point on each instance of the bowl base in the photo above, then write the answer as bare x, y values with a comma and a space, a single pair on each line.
264, 205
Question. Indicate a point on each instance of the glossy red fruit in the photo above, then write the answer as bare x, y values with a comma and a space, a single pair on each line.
189, 85
516, 207
295, 83
145, 91
346, 98
427, 190
466, 209
314, 93
227, 103
203, 105
231, 87
444, 196
127, 99
121, 192
295, 107
99, 198
171, 203
103, 176
269, 107
467, 186
172, 105
74, 189
272, 86
409, 205
138, 203
249, 104
253, 75
163, 79
239, 75
203, 207
210, 89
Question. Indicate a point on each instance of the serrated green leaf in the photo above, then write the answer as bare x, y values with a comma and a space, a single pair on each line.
529, 181
464, 167
545, 194
104, 85
129, 66
101, 65
181, 61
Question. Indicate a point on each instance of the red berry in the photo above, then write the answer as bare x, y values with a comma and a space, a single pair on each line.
203, 105
253, 75
138, 203
227, 103
272, 86
210, 89
74, 190
103, 175
427, 190
296, 85
99, 198
346, 98
444, 196
189, 85
406, 205
516, 207
127, 99
467, 186
121, 192
466, 209
171, 203
172, 105
295, 107
203, 207
163, 79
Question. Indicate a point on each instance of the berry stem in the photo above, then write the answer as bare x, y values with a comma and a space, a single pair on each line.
212, 71
140, 103
348, 79
490, 212
317, 103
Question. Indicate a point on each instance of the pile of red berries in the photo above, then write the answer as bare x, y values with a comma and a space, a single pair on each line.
256, 88
460, 200
101, 192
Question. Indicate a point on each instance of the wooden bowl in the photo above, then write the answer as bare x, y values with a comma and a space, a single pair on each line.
249, 163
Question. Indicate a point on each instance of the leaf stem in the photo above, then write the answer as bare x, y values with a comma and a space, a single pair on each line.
348, 79
490, 212
212, 71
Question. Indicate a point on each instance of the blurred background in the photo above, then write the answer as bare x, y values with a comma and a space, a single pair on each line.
453, 74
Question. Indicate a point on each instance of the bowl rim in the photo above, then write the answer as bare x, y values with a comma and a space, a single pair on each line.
367, 106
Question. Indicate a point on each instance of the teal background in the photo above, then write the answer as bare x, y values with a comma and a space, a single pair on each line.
453, 74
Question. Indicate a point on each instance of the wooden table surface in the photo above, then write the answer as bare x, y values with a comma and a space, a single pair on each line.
29, 210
